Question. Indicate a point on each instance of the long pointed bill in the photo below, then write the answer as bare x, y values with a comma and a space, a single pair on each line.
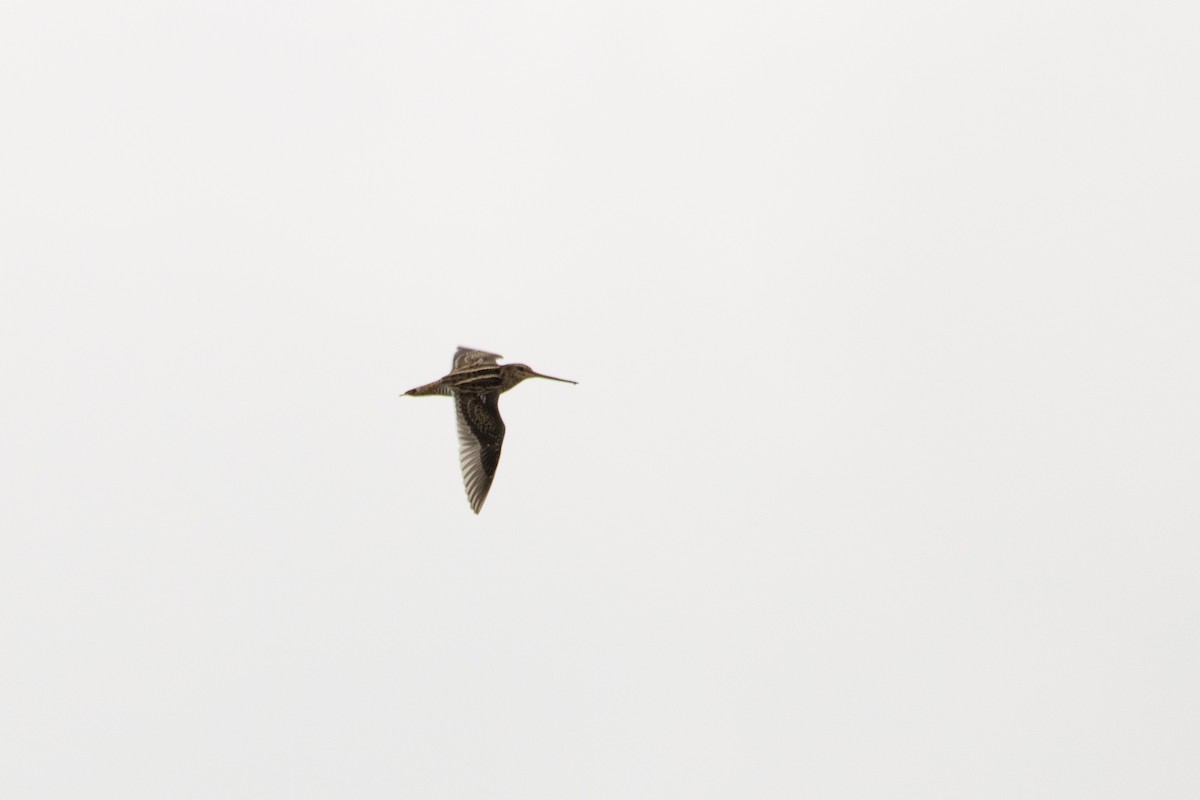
549, 378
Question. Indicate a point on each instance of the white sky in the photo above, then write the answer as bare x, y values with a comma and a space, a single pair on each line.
880, 480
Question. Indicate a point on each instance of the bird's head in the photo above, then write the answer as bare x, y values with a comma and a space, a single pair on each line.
520, 372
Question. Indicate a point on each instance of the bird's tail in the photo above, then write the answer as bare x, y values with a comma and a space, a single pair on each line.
437, 387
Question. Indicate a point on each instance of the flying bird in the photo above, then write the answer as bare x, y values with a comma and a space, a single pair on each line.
476, 382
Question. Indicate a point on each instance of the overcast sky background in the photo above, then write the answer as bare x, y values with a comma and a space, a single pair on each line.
880, 479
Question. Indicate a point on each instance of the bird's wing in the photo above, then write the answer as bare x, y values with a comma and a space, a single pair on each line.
480, 435
466, 357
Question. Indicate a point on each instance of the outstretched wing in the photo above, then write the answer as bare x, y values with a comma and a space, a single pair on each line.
480, 435
466, 357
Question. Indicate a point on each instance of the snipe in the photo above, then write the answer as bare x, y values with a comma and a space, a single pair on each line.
476, 382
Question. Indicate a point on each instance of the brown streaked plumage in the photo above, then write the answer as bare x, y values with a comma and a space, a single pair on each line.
476, 382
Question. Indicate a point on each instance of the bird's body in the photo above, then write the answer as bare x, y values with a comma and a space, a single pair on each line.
476, 382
